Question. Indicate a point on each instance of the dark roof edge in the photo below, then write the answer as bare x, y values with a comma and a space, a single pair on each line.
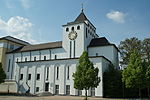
5, 38
106, 45
68, 59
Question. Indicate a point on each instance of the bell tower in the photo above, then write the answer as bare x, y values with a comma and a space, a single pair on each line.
77, 35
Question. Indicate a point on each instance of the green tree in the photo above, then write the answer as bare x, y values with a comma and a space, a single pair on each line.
134, 75
148, 79
86, 76
2, 74
127, 47
112, 82
146, 49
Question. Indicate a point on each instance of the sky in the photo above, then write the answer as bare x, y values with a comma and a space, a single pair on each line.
40, 21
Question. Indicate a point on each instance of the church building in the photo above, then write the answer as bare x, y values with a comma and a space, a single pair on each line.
49, 67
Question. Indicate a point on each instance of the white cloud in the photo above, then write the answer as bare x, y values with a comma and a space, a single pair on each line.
116, 16
25, 3
18, 27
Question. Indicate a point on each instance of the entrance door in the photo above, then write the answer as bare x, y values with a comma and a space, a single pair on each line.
46, 86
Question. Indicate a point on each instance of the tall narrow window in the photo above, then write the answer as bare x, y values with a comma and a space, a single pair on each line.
37, 89
78, 27
67, 89
21, 76
47, 73
44, 57
38, 77
55, 56
29, 76
57, 73
56, 89
68, 72
8, 65
67, 29
25, 59
72, 28
74, 47
34, 58
86, 32
70, 48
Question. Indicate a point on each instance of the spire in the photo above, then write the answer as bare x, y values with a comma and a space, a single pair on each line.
82, 8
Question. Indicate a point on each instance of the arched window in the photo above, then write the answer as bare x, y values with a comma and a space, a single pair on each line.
67, 29
78, 27
72, 28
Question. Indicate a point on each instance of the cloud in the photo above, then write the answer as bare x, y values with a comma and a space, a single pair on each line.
116, 16
25, 3
18, 27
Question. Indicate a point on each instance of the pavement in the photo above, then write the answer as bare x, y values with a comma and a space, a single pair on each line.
51, 98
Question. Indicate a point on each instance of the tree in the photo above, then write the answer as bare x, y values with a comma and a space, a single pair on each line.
2, 74
86, 76
112, 82
134, 75
127, 47
148, 79
146, 49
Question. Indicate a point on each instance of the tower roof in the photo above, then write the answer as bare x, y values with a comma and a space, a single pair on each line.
81, 17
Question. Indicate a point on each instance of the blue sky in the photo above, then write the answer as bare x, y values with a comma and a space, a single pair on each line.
40, 21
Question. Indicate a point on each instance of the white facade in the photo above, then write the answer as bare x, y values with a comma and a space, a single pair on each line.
51, 68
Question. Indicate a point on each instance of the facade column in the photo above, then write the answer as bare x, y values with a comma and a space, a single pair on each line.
34, 79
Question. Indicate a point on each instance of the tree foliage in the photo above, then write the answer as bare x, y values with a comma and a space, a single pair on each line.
2, 74
86, 76
127, 47
134, 75
112, 82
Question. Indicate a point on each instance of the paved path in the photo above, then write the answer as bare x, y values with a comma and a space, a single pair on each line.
50, 98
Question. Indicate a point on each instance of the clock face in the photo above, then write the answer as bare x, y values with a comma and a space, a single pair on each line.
72, 35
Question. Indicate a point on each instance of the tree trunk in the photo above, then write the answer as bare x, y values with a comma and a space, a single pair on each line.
85, 94
140, 92
148, 92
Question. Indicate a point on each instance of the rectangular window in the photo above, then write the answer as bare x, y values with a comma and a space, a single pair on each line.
56, 89
29, 76
86, 32
21, 76
38, 77
57, 73
25, 59
55, 56
92, 91
34, 58
37, 89
8, 65
44, 57
68, 72
47, 73
67, 89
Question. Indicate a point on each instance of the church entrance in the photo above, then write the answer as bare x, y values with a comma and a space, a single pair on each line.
46, 86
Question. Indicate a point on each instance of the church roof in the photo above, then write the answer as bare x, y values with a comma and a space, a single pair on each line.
81, 18
39, 47
12, 39
96, 42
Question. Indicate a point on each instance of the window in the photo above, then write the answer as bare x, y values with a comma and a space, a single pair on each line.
67, 89
67, 29
56, 89
8, 65
68, 72
34, 58
17, 59
21, 76
57, 73
92, 91
96, 54
38, 77
29, 76
72, 28
79, 92
11, 47
55, 56
78, 27
70, 48
44, 57
86, 32
47, 73
25, 59
37, 89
